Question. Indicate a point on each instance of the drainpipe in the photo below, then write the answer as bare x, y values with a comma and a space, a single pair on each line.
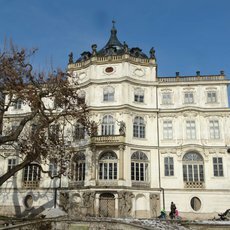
158, 149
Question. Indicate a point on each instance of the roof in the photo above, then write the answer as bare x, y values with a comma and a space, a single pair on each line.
113, 47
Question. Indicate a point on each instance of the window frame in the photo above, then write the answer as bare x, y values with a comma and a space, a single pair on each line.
108, 94
139, 167
211, 96
79, 167
168, 166
167, 130
214, 130
139, 127
53, 168
108, 125
32, 173
78, 132
11, 163
108, 166
139, 95
218, 169
188, 97
18, 104
193, 167
166, 98
191, 130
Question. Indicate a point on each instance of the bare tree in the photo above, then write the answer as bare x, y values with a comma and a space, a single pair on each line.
52, 100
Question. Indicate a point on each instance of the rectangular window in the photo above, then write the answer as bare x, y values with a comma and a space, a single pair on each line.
18, 104
32, 173
188, 98
79, 132
53, 169
190, 129
214, 129
211, 97
166, 98
167, 130
218, 166
169, 166
132, 171
54, 131
11, 163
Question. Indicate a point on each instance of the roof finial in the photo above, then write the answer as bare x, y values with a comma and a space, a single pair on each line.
113, 21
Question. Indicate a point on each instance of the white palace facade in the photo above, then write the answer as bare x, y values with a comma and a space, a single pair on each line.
156, 140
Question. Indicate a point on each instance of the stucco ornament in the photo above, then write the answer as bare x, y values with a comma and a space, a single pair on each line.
64, 201
139, 72
125, 203
75, 206
154, 204
88, 203
122, 128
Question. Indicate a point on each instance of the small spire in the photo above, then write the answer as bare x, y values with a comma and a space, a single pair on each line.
113, 21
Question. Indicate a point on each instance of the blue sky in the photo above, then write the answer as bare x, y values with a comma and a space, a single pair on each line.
187, 35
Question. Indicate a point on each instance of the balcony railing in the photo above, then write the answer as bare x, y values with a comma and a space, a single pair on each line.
76, 184
108, 140
192, 78
31, 184
107, 183
194, 184
115, 58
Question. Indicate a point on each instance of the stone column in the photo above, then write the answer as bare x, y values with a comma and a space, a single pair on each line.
116, 206
121, 162
93, 162
96, 208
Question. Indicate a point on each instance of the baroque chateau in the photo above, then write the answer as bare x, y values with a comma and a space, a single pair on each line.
156, 140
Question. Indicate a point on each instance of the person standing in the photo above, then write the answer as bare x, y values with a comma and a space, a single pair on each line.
172, 210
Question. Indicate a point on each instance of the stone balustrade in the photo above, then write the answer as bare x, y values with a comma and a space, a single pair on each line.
108, 140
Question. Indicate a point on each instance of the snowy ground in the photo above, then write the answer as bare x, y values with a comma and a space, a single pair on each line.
152, 223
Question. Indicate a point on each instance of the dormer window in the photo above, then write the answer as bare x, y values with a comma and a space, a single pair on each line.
135, 51
85, 55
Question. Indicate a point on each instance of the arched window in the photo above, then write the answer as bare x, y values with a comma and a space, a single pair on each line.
78, 167
108, 93
139, 95
193, 167
139, 166
139, 127
108, 166
107, 125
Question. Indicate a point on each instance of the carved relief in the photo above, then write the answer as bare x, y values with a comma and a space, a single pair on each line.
88, 203
64, 201
125, 203
154, 204
75, 206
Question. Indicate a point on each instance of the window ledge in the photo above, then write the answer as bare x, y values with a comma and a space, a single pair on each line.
140, 184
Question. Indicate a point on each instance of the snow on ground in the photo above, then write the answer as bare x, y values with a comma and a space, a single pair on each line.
155, 224
152, 223
53, 213
214, 222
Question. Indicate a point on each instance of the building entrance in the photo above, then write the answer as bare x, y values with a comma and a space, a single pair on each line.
107, 205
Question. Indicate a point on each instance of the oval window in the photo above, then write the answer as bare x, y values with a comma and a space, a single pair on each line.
195, 203
28, 201
109, 69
